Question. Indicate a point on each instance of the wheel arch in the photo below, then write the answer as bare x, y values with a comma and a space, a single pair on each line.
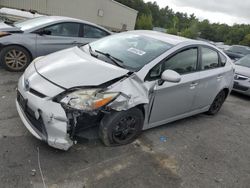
142, 108
227, 91
19, 45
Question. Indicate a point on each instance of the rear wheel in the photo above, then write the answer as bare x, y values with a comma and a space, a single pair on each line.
217, 104
15, 58
120, 128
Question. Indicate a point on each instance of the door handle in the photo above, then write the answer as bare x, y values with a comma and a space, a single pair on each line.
219, 77
193, 85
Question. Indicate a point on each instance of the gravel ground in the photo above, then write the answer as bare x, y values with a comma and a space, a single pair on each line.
200, 151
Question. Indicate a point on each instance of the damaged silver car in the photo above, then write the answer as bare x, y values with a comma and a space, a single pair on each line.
121, 84
242, 76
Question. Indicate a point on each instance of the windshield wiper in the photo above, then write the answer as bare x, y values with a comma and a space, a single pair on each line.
115, 60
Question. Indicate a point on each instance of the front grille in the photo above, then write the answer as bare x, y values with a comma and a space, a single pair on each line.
241, 88
30, 114
37, 123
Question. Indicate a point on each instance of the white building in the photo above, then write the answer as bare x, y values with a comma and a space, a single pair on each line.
107, 13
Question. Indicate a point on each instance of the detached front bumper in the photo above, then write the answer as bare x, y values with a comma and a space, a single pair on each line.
44, 119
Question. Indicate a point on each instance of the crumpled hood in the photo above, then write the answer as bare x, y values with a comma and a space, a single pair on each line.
245, 71
73, 68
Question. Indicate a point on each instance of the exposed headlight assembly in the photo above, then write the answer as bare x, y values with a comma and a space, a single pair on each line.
88, 99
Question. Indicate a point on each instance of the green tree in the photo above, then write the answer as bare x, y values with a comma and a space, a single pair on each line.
155, 12
144, 22
175, 22
172, 31
191, 32
206, 31
150, 14
246, 40
235, 35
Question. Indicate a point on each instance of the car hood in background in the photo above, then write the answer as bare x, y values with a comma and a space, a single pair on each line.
245, 71
72, 68
8, 28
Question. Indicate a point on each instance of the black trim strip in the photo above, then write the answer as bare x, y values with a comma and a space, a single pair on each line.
37, 93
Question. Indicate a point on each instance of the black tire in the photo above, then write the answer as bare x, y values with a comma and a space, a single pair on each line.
121, 128
217, 103
15, 58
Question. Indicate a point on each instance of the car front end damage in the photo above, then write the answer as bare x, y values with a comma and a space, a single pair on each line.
45, 119
56, 115
242, 84
242, 77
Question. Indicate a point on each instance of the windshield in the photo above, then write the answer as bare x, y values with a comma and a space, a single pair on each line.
245, 61
240, 49
32, 23
133, 50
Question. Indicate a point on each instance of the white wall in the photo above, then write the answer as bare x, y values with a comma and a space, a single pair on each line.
115, 15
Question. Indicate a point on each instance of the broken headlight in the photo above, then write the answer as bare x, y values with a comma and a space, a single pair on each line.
88, 99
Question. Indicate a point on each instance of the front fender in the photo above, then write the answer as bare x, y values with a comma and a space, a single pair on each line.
27, 41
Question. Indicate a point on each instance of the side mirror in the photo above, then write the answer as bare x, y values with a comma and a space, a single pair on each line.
171, 76
44, 32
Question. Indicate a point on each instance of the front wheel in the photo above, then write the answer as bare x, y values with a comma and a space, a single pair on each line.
120, 128
217, 103
15, 58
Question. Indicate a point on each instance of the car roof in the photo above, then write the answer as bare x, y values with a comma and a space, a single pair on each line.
241, 46
64, 18
170, 39
238, 45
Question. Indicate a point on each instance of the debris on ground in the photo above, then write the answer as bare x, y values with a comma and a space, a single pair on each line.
33, 172
163, 139
218, 180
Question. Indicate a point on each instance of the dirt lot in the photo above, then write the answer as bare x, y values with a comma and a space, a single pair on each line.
200, 151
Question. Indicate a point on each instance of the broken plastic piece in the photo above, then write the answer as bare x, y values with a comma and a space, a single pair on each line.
163, 139
33, 172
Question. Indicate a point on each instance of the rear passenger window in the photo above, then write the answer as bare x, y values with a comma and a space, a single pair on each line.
210, 59
94, 32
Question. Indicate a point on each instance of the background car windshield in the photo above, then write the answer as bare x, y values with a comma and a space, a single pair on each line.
245, 61
240, 49
31, 23
134, 50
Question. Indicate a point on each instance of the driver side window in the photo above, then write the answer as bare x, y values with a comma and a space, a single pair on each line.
64, 29
183, 62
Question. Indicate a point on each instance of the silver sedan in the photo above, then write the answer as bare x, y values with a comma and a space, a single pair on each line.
23, 41
242, 76
121, 84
